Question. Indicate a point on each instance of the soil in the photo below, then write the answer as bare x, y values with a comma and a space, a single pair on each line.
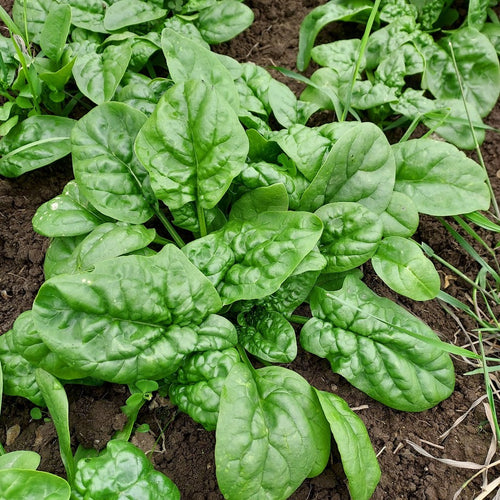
183, 450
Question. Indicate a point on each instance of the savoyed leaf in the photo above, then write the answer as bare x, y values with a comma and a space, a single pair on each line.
318, 18
106, 169
20, 484
439, 178
188, 60
272, 198
198, 384
267, 335
35, 142
350, 237
132, 317
356, 451
88, 14
268, 418
222, 21
360, 167
368, 340
125, 469
250, 259
403, 266
98, 74
192, 145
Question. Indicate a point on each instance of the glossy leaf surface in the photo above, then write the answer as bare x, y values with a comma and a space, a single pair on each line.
20, 484
378, 347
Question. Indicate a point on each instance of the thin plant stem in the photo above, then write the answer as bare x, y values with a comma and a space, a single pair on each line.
362, 49
244, 358
201, 220
301, 320
170, 228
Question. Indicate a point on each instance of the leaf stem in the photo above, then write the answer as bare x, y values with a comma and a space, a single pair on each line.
201, 220
244, 358
301, 320
169, 227
362, 48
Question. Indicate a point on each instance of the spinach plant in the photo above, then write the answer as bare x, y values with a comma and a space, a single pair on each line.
191, 234
408, 67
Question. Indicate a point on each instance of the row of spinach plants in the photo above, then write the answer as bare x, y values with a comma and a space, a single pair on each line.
203, 213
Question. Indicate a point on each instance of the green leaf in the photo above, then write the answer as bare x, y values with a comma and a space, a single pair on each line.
400, 217
88, 14
18, 484
402, 265
126, 13
106, 169
359, 168
267, 335
35, 142
8, 65
55, 31
250, 259
477, 13
122, 469
267, 419
350, 237
36, 14
272, 198
57, 402
198, 384
58, 258
188, 60
98, 74
222, 21
439, 178
477, 63
107, 241
318, 18
341, 55
68, 214
18, 373
131, 317
356, 451
369, 340
27, 460
192, 145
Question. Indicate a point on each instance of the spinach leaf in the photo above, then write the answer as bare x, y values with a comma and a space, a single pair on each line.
18, 373
350, 237
439, 178
188, 60
36, 13
55, 31
360, 167
68, 214
318, 18
121, 468
106, 169
267, 335
268, 418
192, 145
150, 312
88, 14
378, 347
250, 259
33, 143
198, 384
125, 13
358, 458
400, 217
224, 20
20, 484
98, 74
477, 63
272, 198
403, 266
27, 460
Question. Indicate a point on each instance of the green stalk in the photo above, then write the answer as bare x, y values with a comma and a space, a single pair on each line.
244, 358
301, 320
159, 240
169, 227
11, 26
473, 132
201, 220
362, 49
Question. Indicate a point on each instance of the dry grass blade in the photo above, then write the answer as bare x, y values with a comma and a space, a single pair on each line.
460, 419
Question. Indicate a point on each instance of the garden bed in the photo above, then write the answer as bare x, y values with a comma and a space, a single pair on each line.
182, 449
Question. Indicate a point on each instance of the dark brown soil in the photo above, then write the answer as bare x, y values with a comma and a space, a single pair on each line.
182, 449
